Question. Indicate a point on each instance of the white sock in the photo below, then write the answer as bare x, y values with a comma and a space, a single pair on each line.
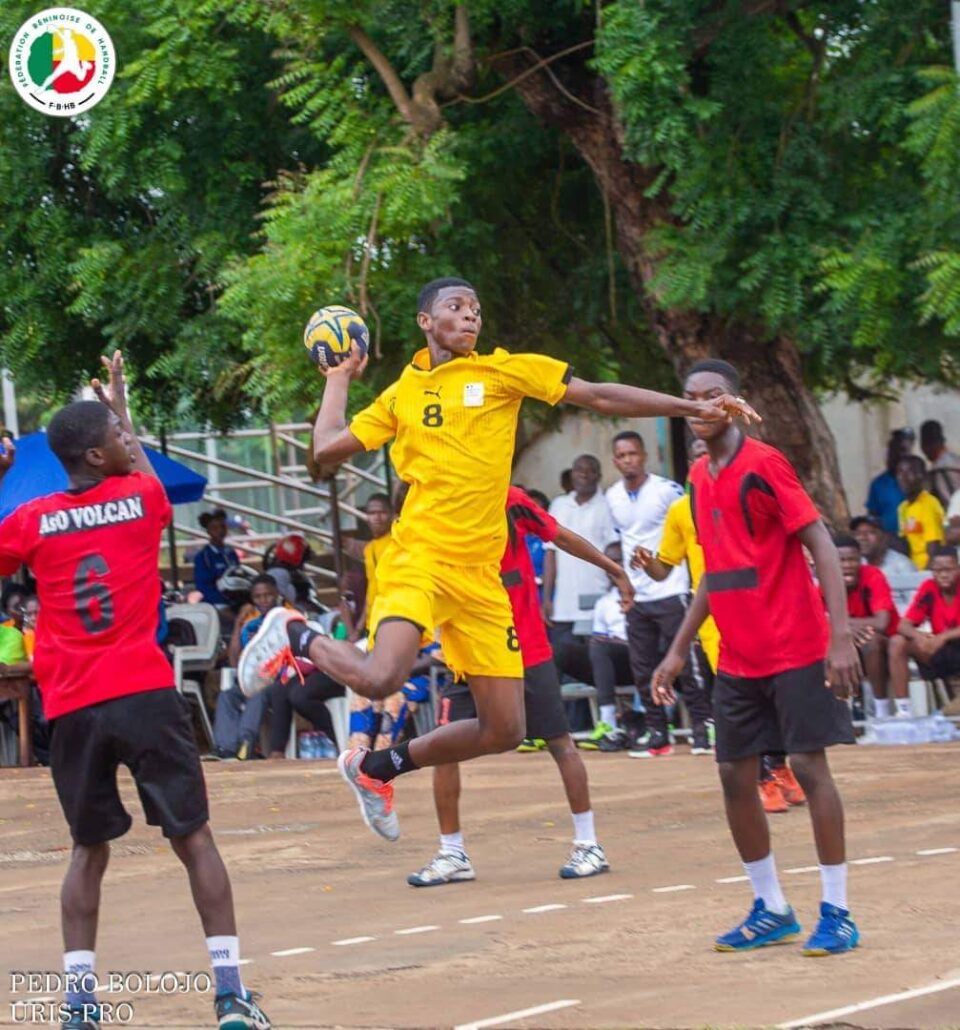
583, 831
833, 879
452, 842
884, 707
763, 879
225, 960
80, 965
904, 707
608, 714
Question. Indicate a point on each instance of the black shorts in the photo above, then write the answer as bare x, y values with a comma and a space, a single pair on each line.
151, 733
793, 711
944, 664
542, 700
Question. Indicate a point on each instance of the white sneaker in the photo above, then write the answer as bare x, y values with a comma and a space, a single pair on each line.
584, 860
268, 654
444, 867
374, 797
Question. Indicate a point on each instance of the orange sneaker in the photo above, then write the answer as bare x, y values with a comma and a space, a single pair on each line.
791, 790
772, 797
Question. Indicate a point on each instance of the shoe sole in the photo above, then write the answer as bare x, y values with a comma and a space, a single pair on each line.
413, 881
341, 765
824, 952
271, 618
786, 937
564, 875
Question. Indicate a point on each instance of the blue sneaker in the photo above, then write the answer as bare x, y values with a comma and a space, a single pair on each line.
835, 933
760, 928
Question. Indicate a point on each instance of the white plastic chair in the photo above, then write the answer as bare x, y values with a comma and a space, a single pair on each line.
198, 657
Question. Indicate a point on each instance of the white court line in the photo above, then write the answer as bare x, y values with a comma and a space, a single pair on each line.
509, 1017
291, 951
604, 898
873, 1003
937, 851
541, 908
732, 879
244, 961
352, 940
872, 861
674, 887
480, 919
416, 929
804, 869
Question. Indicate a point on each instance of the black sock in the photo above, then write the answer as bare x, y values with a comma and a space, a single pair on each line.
390, 762
301, 636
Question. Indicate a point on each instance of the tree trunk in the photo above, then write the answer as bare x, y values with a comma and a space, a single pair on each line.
769, 365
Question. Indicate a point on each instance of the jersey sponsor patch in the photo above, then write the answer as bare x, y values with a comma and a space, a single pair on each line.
91, 516
473, 395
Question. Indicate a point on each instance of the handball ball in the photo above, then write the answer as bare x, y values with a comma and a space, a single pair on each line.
330, 332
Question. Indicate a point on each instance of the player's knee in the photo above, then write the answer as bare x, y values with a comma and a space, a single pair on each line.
192, 845
811, 770
91, 859
738, 779
898, 646
562, 747
503, 735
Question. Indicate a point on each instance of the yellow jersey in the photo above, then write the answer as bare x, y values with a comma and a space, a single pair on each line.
454, 429
680, 541
372, 554
921, 522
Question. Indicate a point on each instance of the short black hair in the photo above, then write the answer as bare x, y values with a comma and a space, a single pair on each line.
382, 498
266, 579
722, 368
931, 431
540, 497
207, 517
944, 551
913, 459
592, 458
845, 540
76, 429
11, 590
629, 434
428, 293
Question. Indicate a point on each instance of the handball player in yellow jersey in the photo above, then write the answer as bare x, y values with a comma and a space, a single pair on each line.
452, 415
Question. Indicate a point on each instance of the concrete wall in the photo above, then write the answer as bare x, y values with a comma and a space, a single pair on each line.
860, 430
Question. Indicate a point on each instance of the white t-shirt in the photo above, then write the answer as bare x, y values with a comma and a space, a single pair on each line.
639, 520
608, 619
592, 521
953, 509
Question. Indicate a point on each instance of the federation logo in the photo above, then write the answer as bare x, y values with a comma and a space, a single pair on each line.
62, 62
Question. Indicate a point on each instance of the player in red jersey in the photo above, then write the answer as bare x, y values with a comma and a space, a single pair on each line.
108, 689
545, 714
784, 672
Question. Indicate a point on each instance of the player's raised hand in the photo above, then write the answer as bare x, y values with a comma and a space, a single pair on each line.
661, 683
843, 666
8, 454
725, 408
114, 394
351, 367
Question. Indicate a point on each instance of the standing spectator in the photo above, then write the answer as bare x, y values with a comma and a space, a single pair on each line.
953, 521
921, 514
214, 558
937, 601
566, 580
380, 519
639, 505
885, 495
944, 465
874, 543
874, 620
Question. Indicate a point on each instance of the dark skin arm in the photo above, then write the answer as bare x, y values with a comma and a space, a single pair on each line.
549, 582
635, 402
114, 395
332, 440
926, 644
574, 544
661, 683
652, 564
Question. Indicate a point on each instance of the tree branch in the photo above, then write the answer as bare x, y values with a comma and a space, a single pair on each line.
707, 34
386, 71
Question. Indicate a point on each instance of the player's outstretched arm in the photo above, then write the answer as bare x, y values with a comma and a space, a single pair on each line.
661, 683
575, 544
843, 662
114, 395
332, 440
635, 402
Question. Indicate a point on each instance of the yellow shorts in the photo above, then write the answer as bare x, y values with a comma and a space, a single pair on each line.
467, 603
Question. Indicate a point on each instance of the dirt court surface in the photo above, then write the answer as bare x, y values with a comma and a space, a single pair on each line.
337, 938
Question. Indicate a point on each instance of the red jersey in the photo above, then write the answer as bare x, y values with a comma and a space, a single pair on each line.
94, 556
929, 604
525, 516
871, 596
761, 593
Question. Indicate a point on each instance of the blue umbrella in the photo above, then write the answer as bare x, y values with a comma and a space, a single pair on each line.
37, 471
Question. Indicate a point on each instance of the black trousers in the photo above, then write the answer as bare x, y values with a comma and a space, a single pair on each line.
307, 699
571, 652
651, 627
610, 662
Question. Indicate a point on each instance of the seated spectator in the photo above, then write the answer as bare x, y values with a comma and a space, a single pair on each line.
11, 605
610, 662
873, 620
921, 515
874, 543
31, 609
952, 527
885, 495
937, 602
944, 471
307, 698
285, 563
214, 558
236, 724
